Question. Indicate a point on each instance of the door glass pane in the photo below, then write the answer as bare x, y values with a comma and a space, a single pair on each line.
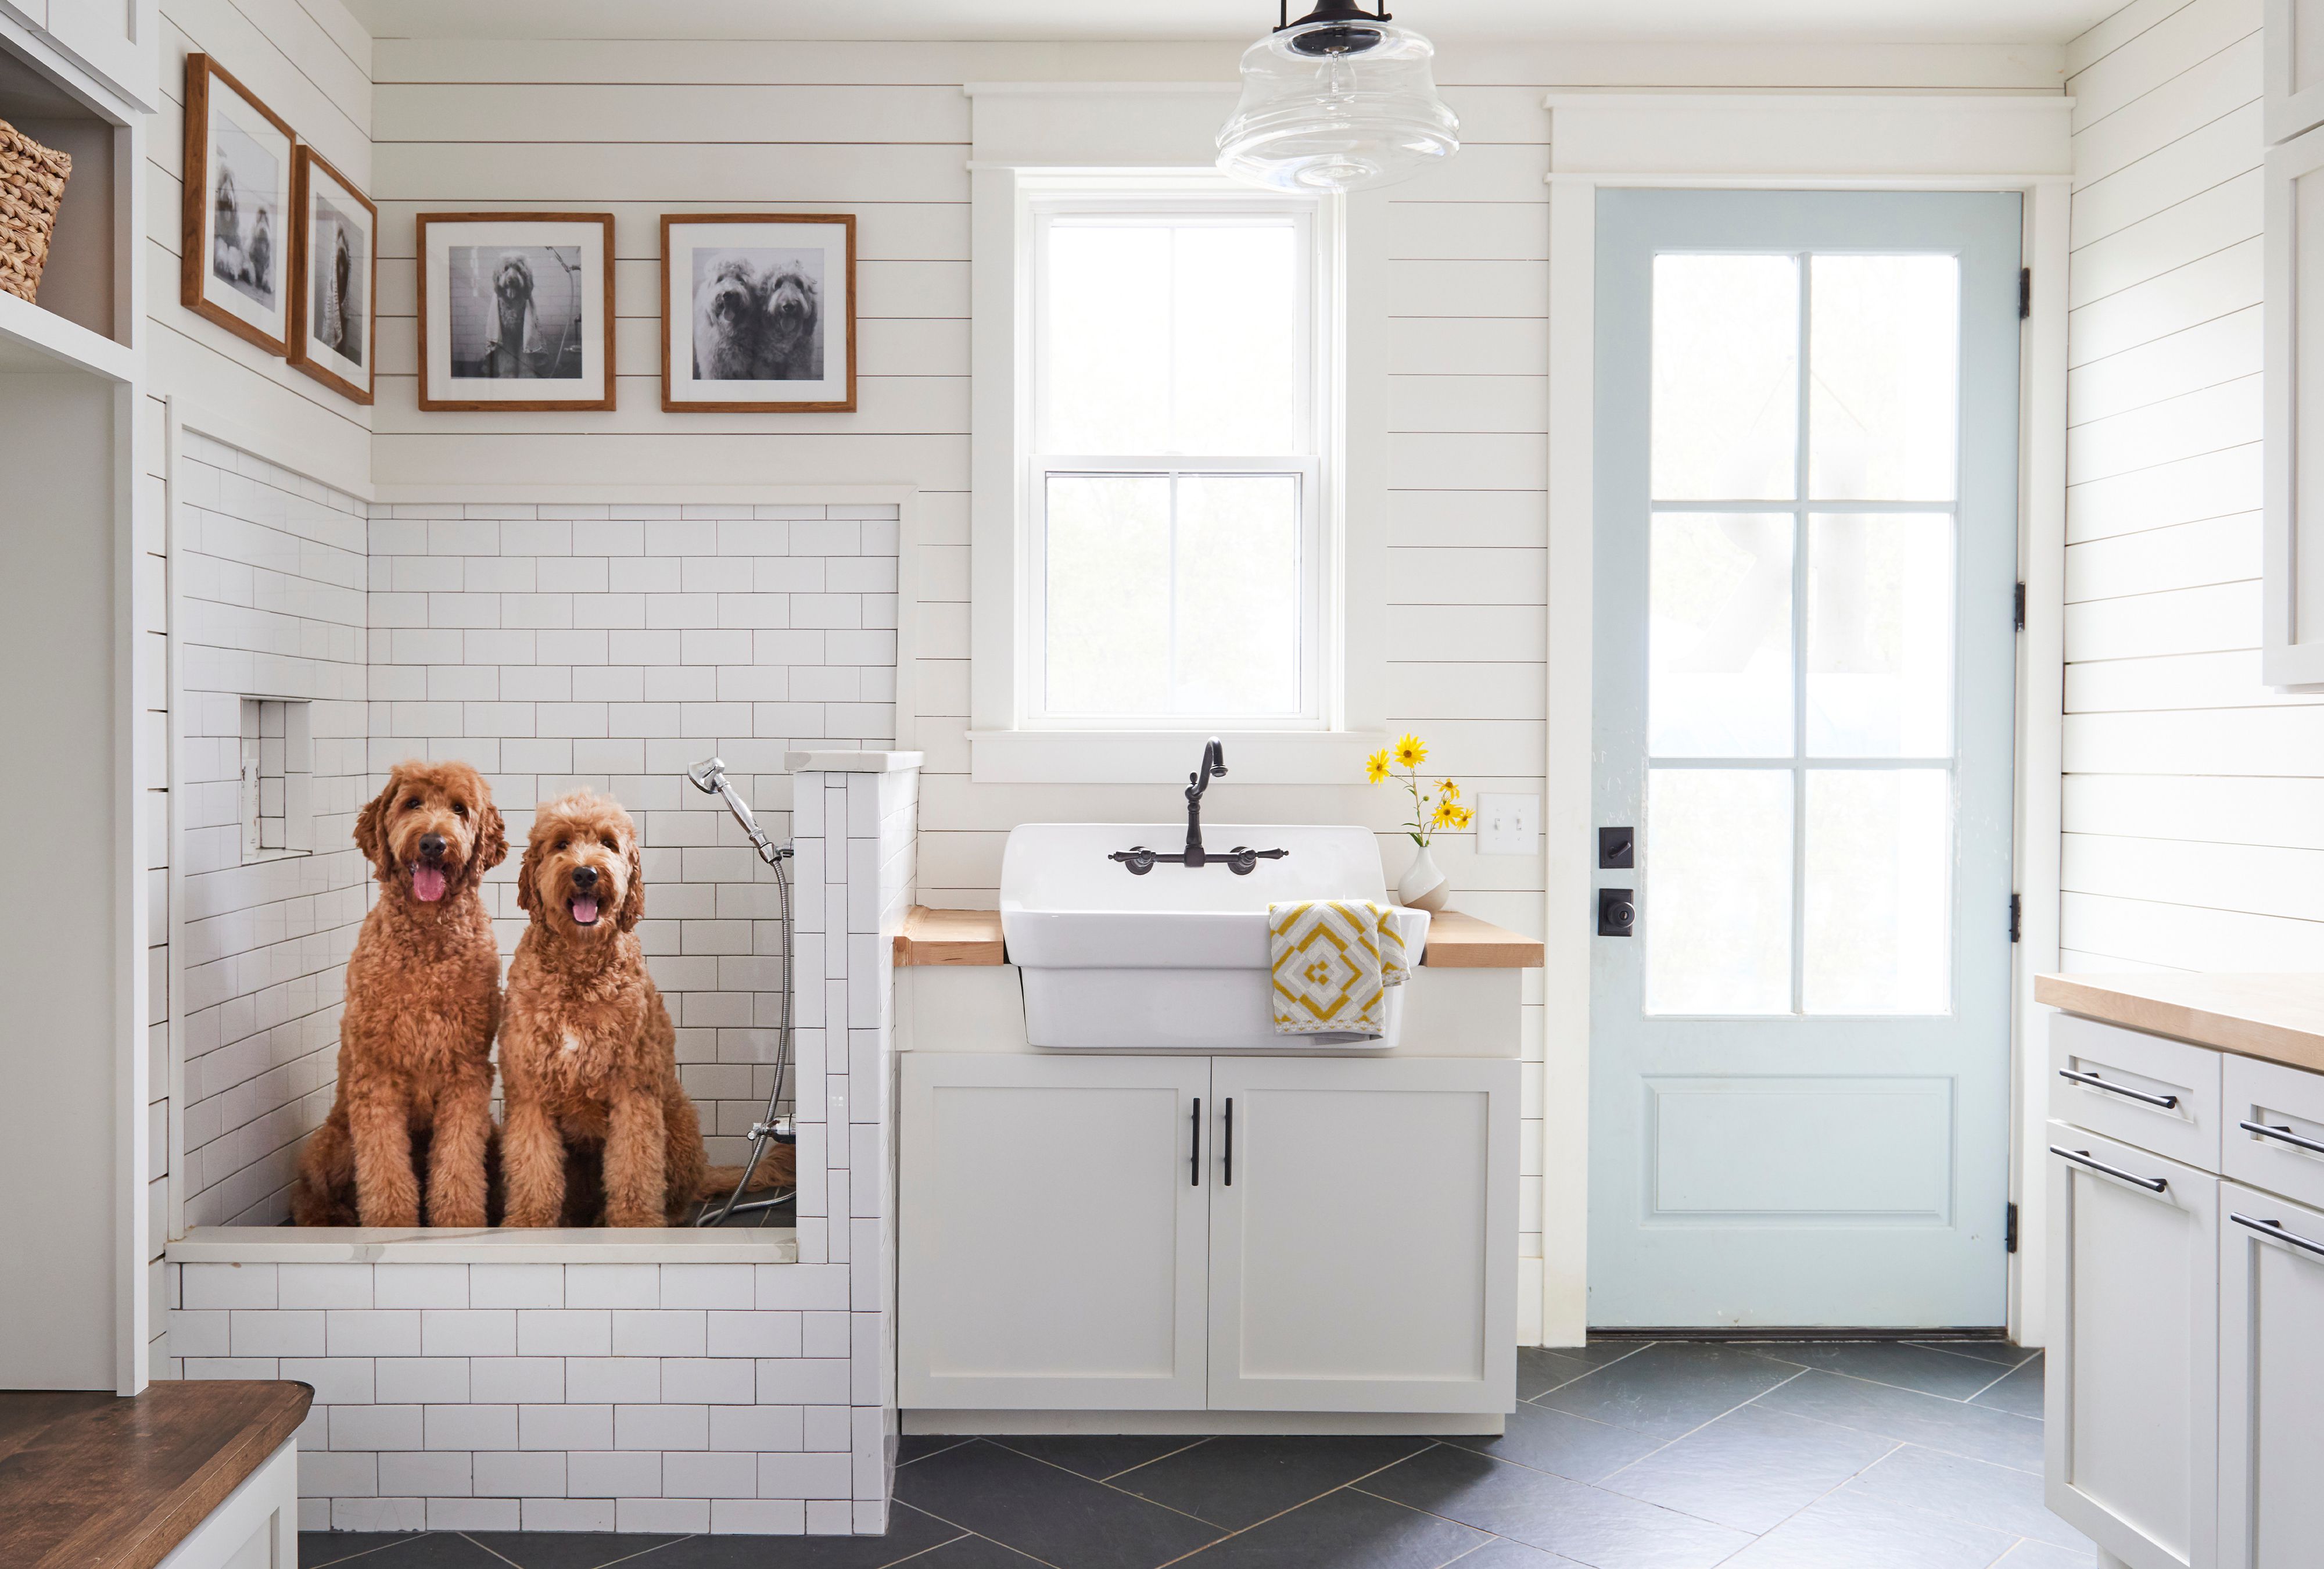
1107, 631
1880, 635
1879, 851
1726, 377
1720, 635
1718, 894
1239, 622
1882, 400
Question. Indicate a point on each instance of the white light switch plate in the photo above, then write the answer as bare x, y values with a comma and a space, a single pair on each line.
1508, 825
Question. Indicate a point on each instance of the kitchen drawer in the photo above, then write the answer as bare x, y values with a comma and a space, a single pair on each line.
2291, 1103
2148, 1090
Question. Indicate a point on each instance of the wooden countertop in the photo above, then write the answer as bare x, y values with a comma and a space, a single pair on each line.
90, 1481
2277, 1017
972, 936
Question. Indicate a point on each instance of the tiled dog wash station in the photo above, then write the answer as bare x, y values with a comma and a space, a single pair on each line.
1116, 788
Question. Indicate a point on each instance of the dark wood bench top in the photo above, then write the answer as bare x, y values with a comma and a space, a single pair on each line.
91, 1480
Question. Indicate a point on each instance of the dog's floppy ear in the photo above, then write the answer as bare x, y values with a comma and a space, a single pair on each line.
527, 899
633, 902
492, 838
369, 839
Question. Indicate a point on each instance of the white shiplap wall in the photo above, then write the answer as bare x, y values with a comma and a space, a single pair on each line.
2193, 826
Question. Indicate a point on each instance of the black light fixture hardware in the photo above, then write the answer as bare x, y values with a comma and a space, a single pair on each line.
1346, 36
1241, 860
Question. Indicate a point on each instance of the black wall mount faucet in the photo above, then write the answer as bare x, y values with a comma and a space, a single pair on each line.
1241, 860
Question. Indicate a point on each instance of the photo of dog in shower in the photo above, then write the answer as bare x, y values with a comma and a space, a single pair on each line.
595, 1127
758, 316
516, 312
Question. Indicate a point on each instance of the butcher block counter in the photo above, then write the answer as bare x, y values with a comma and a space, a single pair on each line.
2278, 1018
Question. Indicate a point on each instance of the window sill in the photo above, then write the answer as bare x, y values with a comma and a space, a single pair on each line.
1300, 757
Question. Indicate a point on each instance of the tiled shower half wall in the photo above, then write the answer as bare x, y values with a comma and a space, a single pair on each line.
555, 648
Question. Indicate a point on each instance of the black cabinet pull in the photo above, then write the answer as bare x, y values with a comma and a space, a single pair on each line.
1194, 1151
1226, 1147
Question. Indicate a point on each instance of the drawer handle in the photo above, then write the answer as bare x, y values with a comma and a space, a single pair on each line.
1229, 1150
2082, 1158
1194, 1150
2286, 1134
2274, 1230
2092, 1081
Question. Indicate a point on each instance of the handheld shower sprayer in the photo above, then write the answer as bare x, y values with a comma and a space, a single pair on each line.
709, 777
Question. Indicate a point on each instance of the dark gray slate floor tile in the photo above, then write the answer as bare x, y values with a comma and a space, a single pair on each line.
1052, 1514
317, 1548
909, 1533
572, 1549
2020, 1392
1999, 1496
968, 1553
1843, 1532
2046, 1556
1233, 1482
1540, 1370
1975, 1431
1991, 1351
1750, 1469
1572, 1446
1584, 1523
1669, 1388
1908, 1367
1501, 1553
1343, 1530
914, 1446
1097, 1456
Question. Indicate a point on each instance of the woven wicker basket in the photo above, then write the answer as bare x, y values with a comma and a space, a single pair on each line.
31, 186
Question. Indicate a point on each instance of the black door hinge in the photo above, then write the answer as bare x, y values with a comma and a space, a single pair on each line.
2020, 599
2016, 909
2024, 292
2009, 1231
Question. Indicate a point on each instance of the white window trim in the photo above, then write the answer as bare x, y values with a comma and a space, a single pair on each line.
1035, 138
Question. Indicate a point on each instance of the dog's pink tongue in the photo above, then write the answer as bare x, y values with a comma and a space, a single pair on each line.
428, 883
585, 910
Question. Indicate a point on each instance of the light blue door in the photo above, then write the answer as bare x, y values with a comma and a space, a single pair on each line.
1806, 478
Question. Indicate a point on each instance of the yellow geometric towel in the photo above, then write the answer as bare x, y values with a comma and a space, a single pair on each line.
1333, 960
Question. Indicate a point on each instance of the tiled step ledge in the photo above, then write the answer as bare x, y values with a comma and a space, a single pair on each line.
492, 1245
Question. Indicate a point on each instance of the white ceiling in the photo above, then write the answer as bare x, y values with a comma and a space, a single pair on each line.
1804, 21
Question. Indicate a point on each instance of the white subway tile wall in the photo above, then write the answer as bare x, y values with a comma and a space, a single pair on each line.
269, 580
561, 648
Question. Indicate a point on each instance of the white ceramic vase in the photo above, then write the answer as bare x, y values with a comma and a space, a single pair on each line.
1422, 886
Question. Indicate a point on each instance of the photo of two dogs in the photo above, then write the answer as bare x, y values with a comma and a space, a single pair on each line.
596, 1129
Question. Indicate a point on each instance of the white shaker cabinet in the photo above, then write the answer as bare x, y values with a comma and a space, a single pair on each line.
1356, 1226
1052, 1227
2133, 1370
1171, 1233
2271, 1381
113, 39
2293, 568
2294, 52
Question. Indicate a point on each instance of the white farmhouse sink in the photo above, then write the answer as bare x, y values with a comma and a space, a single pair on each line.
1175, 958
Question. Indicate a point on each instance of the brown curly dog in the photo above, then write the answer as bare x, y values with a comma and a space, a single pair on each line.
423, 1003
588, 1060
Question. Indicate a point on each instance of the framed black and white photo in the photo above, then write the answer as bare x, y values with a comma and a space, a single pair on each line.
516, 310
235, 259
334, 287
757, 312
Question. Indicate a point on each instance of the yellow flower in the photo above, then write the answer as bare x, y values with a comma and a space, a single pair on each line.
1448, 789
1465, 816
1410, 753
1446, 815
1376, 766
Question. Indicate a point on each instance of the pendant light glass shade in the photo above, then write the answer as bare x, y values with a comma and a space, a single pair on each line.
1338, 101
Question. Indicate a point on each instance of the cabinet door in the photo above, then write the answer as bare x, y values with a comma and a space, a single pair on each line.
1363, 1234
112, 38
2292, 599
2133, 1383
1051, 1232
2294, 51
2271, 1381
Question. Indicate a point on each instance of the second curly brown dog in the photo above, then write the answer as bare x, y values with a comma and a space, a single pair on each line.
588, 1056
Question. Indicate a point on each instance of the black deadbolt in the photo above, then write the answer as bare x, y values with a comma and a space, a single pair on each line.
1616, 851
1617, 915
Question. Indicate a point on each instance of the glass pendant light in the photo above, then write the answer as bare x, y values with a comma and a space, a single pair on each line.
1339, 100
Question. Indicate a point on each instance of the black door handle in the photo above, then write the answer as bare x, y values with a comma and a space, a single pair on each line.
1226, 1146
1194, 1152
1617, 912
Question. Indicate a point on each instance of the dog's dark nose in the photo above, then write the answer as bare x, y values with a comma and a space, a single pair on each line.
432, 847
584, 877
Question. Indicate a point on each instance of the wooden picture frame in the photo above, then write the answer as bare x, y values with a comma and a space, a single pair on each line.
757, 313
233, 256
337, 348
514, 304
